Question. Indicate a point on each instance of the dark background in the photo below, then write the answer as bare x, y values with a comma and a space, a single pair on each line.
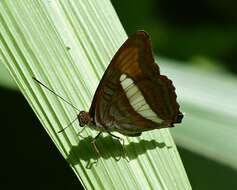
196, 32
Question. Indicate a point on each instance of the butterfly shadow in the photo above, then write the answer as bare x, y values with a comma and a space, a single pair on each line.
109, 148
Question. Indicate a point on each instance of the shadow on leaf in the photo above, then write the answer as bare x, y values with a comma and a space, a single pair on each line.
109, 147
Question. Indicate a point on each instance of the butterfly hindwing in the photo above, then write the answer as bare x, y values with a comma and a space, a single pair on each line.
132, 96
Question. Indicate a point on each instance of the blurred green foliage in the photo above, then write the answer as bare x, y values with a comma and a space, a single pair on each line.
186, 30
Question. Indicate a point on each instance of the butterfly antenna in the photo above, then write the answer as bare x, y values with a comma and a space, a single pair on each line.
69, 103
68, 125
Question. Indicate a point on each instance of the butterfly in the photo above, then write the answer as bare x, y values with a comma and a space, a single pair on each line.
132, 96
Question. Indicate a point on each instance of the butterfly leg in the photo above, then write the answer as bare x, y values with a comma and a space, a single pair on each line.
120, 139
94, 144
79, 133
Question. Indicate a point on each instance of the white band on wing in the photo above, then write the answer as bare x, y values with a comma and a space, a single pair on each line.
137, 100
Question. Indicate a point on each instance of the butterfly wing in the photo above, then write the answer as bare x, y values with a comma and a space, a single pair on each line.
132, 96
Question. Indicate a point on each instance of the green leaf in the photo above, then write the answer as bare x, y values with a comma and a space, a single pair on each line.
67, 45
5, 78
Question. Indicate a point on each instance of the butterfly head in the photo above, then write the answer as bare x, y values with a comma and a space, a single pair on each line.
84, 118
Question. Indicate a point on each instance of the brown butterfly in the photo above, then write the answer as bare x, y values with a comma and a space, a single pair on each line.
132, 95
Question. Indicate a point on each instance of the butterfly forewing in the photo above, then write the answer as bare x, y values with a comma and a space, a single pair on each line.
132, 96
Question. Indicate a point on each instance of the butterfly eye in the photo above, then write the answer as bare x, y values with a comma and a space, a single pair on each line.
84, 118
